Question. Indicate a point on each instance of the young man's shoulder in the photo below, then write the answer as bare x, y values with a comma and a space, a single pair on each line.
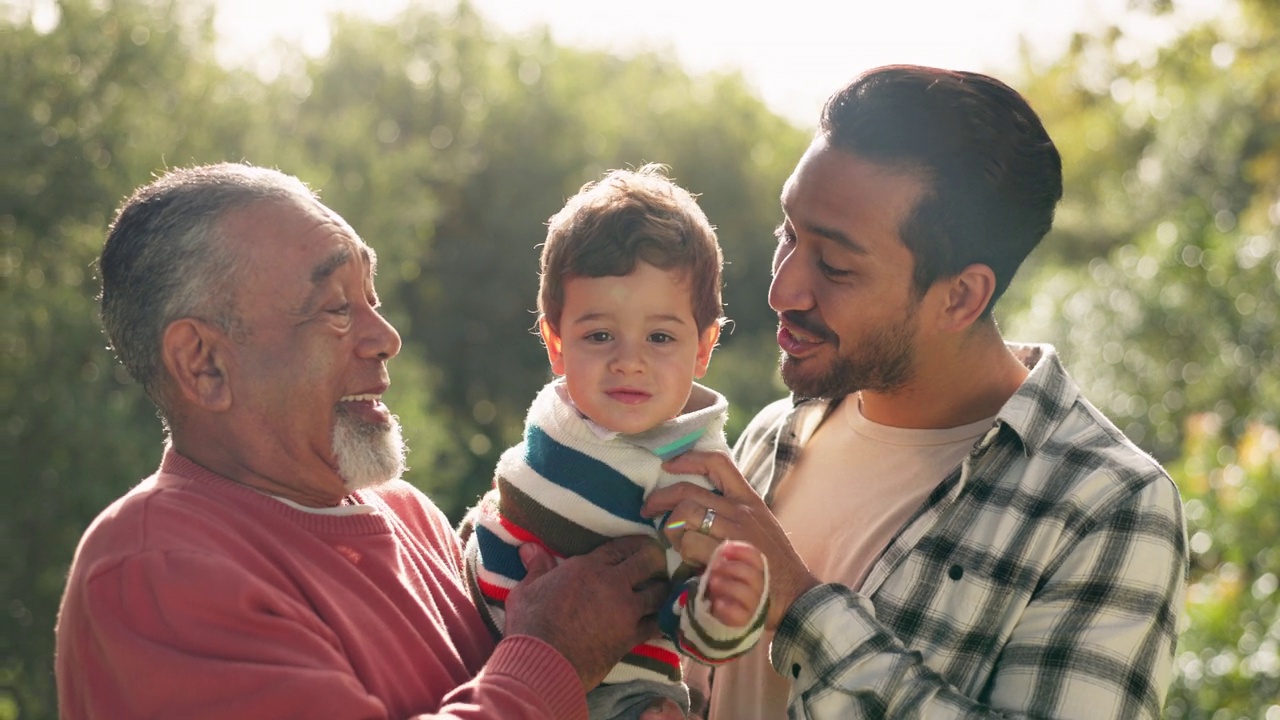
770, 418
1087, 442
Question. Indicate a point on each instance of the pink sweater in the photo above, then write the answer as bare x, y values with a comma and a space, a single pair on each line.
195, 597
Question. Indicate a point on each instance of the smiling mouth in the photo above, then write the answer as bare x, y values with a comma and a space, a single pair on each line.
795, 339
367, 406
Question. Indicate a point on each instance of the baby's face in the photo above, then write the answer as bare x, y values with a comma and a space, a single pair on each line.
629, 347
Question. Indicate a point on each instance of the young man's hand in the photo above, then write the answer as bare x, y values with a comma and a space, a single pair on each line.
740, 514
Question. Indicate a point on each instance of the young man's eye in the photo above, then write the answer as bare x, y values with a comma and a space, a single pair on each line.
832, 272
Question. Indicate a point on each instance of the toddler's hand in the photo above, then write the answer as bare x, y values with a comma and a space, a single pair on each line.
735, 583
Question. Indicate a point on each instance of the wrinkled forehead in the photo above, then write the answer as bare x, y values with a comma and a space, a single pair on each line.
357, 246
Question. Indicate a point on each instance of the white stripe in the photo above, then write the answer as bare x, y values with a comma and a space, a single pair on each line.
566, 503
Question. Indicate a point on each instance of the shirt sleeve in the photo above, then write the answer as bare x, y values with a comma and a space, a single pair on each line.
180, 634
1096, 641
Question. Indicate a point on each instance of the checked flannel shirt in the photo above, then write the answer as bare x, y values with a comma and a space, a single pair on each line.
1043, 578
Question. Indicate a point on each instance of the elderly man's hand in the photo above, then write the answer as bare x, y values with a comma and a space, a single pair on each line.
592, 608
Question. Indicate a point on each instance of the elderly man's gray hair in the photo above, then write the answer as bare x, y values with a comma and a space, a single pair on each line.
165, 259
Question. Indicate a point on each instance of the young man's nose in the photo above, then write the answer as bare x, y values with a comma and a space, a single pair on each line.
789, 289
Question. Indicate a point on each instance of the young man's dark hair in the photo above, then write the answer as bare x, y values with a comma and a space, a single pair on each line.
994, 176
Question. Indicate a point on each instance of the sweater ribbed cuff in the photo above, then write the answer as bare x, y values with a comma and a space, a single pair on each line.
547, 672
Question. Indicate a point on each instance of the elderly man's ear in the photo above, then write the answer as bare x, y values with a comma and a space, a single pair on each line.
195, 353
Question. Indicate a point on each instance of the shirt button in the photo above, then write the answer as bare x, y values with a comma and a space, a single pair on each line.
795, 670
956, 572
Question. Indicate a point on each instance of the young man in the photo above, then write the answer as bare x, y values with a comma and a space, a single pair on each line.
275, 565
955, 531
630, 312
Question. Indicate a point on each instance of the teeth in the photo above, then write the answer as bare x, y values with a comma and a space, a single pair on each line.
360, 398
803, 336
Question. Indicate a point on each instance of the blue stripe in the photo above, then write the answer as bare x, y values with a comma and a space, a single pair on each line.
672, 449
498, 557
583, 475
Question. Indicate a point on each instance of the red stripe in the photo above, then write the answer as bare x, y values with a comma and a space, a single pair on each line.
493, 592
654, 652
524, 536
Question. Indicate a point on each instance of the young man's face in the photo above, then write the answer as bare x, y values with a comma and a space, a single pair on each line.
628, 347
309, 369
842, 278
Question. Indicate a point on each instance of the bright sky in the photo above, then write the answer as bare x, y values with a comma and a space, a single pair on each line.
794, 52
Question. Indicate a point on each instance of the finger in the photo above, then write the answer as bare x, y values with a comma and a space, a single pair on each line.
735, 572
650, 596
667, 498
745, 591
684, 517
742, 553
697, 549
646, 561
731, 611
617, 551
537, 559
690, 516
717, 466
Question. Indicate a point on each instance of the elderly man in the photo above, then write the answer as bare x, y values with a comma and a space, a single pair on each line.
274, 566
955, 531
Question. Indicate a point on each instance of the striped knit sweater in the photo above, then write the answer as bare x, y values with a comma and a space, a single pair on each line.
570, 486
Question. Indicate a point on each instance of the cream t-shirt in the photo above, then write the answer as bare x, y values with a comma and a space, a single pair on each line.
854, 486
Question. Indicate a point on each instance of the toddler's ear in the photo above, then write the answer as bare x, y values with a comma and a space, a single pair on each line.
706, 343
551, 340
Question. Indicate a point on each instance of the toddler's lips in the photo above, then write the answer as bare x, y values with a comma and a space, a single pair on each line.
629, 397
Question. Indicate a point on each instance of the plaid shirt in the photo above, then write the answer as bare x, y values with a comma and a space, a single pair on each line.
1043, 577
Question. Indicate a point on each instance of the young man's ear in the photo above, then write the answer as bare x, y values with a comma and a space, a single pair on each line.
966, 298
706, 343
194, 354
551, 339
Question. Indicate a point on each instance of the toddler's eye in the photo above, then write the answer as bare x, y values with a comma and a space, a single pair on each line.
660, 337
599, 336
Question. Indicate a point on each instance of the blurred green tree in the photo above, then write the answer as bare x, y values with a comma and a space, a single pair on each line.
457, 144
1160, 286
79, 109
1228, 662
446, 145
1159, 282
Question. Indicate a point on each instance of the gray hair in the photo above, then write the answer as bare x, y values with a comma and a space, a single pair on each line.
165, 258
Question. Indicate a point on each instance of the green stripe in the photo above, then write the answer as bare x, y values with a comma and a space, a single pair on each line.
705, 641
684, 442
558, 532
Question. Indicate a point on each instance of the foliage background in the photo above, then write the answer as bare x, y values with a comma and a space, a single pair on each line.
448, 144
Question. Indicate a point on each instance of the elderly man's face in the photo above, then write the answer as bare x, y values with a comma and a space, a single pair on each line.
309, 368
